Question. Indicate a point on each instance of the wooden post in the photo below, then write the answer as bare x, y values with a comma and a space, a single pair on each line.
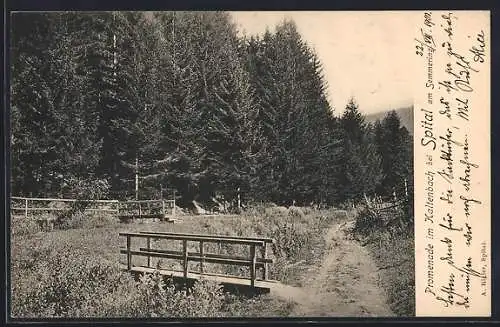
149, 248
202, 257
185, 264
26, 208
173, 208
163, 209
140, 210
264, 256
129, 255
137, 178
239, 199
252, 268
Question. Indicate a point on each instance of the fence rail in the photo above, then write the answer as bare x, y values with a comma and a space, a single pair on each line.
123, 209
62, 200
257, 245
27, 205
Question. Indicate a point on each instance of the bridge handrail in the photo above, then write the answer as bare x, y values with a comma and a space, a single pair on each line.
186, 256
146, 201
204, 238
262, 239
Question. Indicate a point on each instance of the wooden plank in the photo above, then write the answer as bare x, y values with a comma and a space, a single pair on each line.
219, 278
49, 209
185, 263
145, 201
263, 239
180, 256
196, 238
62, 200
264, 257
59, 209
210, 255
149, 249
159, 216
252, 267
129, 254
202, 255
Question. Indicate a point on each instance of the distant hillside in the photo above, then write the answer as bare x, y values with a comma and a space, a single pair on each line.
405, 114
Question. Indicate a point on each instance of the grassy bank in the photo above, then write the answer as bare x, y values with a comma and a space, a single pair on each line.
391, 242
75, 272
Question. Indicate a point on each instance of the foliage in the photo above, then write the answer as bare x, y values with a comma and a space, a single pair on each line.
395, 146
22, 226
391, 242
361, 171
69, 284
59, 262
197, 107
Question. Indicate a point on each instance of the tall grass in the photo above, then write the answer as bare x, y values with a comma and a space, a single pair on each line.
75, 272
391, 242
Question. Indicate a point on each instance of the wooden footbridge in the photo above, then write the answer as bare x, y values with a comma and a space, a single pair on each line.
143, 248
163, 210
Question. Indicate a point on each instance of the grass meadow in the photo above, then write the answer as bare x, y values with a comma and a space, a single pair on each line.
74, 270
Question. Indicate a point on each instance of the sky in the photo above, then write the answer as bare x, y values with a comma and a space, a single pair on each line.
365, 55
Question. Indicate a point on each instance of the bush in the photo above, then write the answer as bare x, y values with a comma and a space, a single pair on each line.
367, 221
24, 226
86, 189
84, 220
71, 285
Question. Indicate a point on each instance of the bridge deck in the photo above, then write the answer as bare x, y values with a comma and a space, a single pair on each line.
222, 279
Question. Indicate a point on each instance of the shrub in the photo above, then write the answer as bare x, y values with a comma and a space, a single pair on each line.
367, 221
24, 226
88, 189
82, 219
62, 284
70, 284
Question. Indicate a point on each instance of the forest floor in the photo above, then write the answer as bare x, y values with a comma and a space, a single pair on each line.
345, 283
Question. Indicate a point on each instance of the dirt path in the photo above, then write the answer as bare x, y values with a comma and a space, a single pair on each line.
345, 284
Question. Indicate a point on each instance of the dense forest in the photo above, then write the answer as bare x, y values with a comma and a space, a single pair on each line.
190, 105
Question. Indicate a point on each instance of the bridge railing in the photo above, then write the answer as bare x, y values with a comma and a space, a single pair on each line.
146, 209
256, 245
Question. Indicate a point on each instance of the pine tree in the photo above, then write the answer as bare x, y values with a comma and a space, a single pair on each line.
295, 117
361, 171
53, 136
395, 148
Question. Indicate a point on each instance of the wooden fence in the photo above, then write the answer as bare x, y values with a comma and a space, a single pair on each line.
255, 261
25, 206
